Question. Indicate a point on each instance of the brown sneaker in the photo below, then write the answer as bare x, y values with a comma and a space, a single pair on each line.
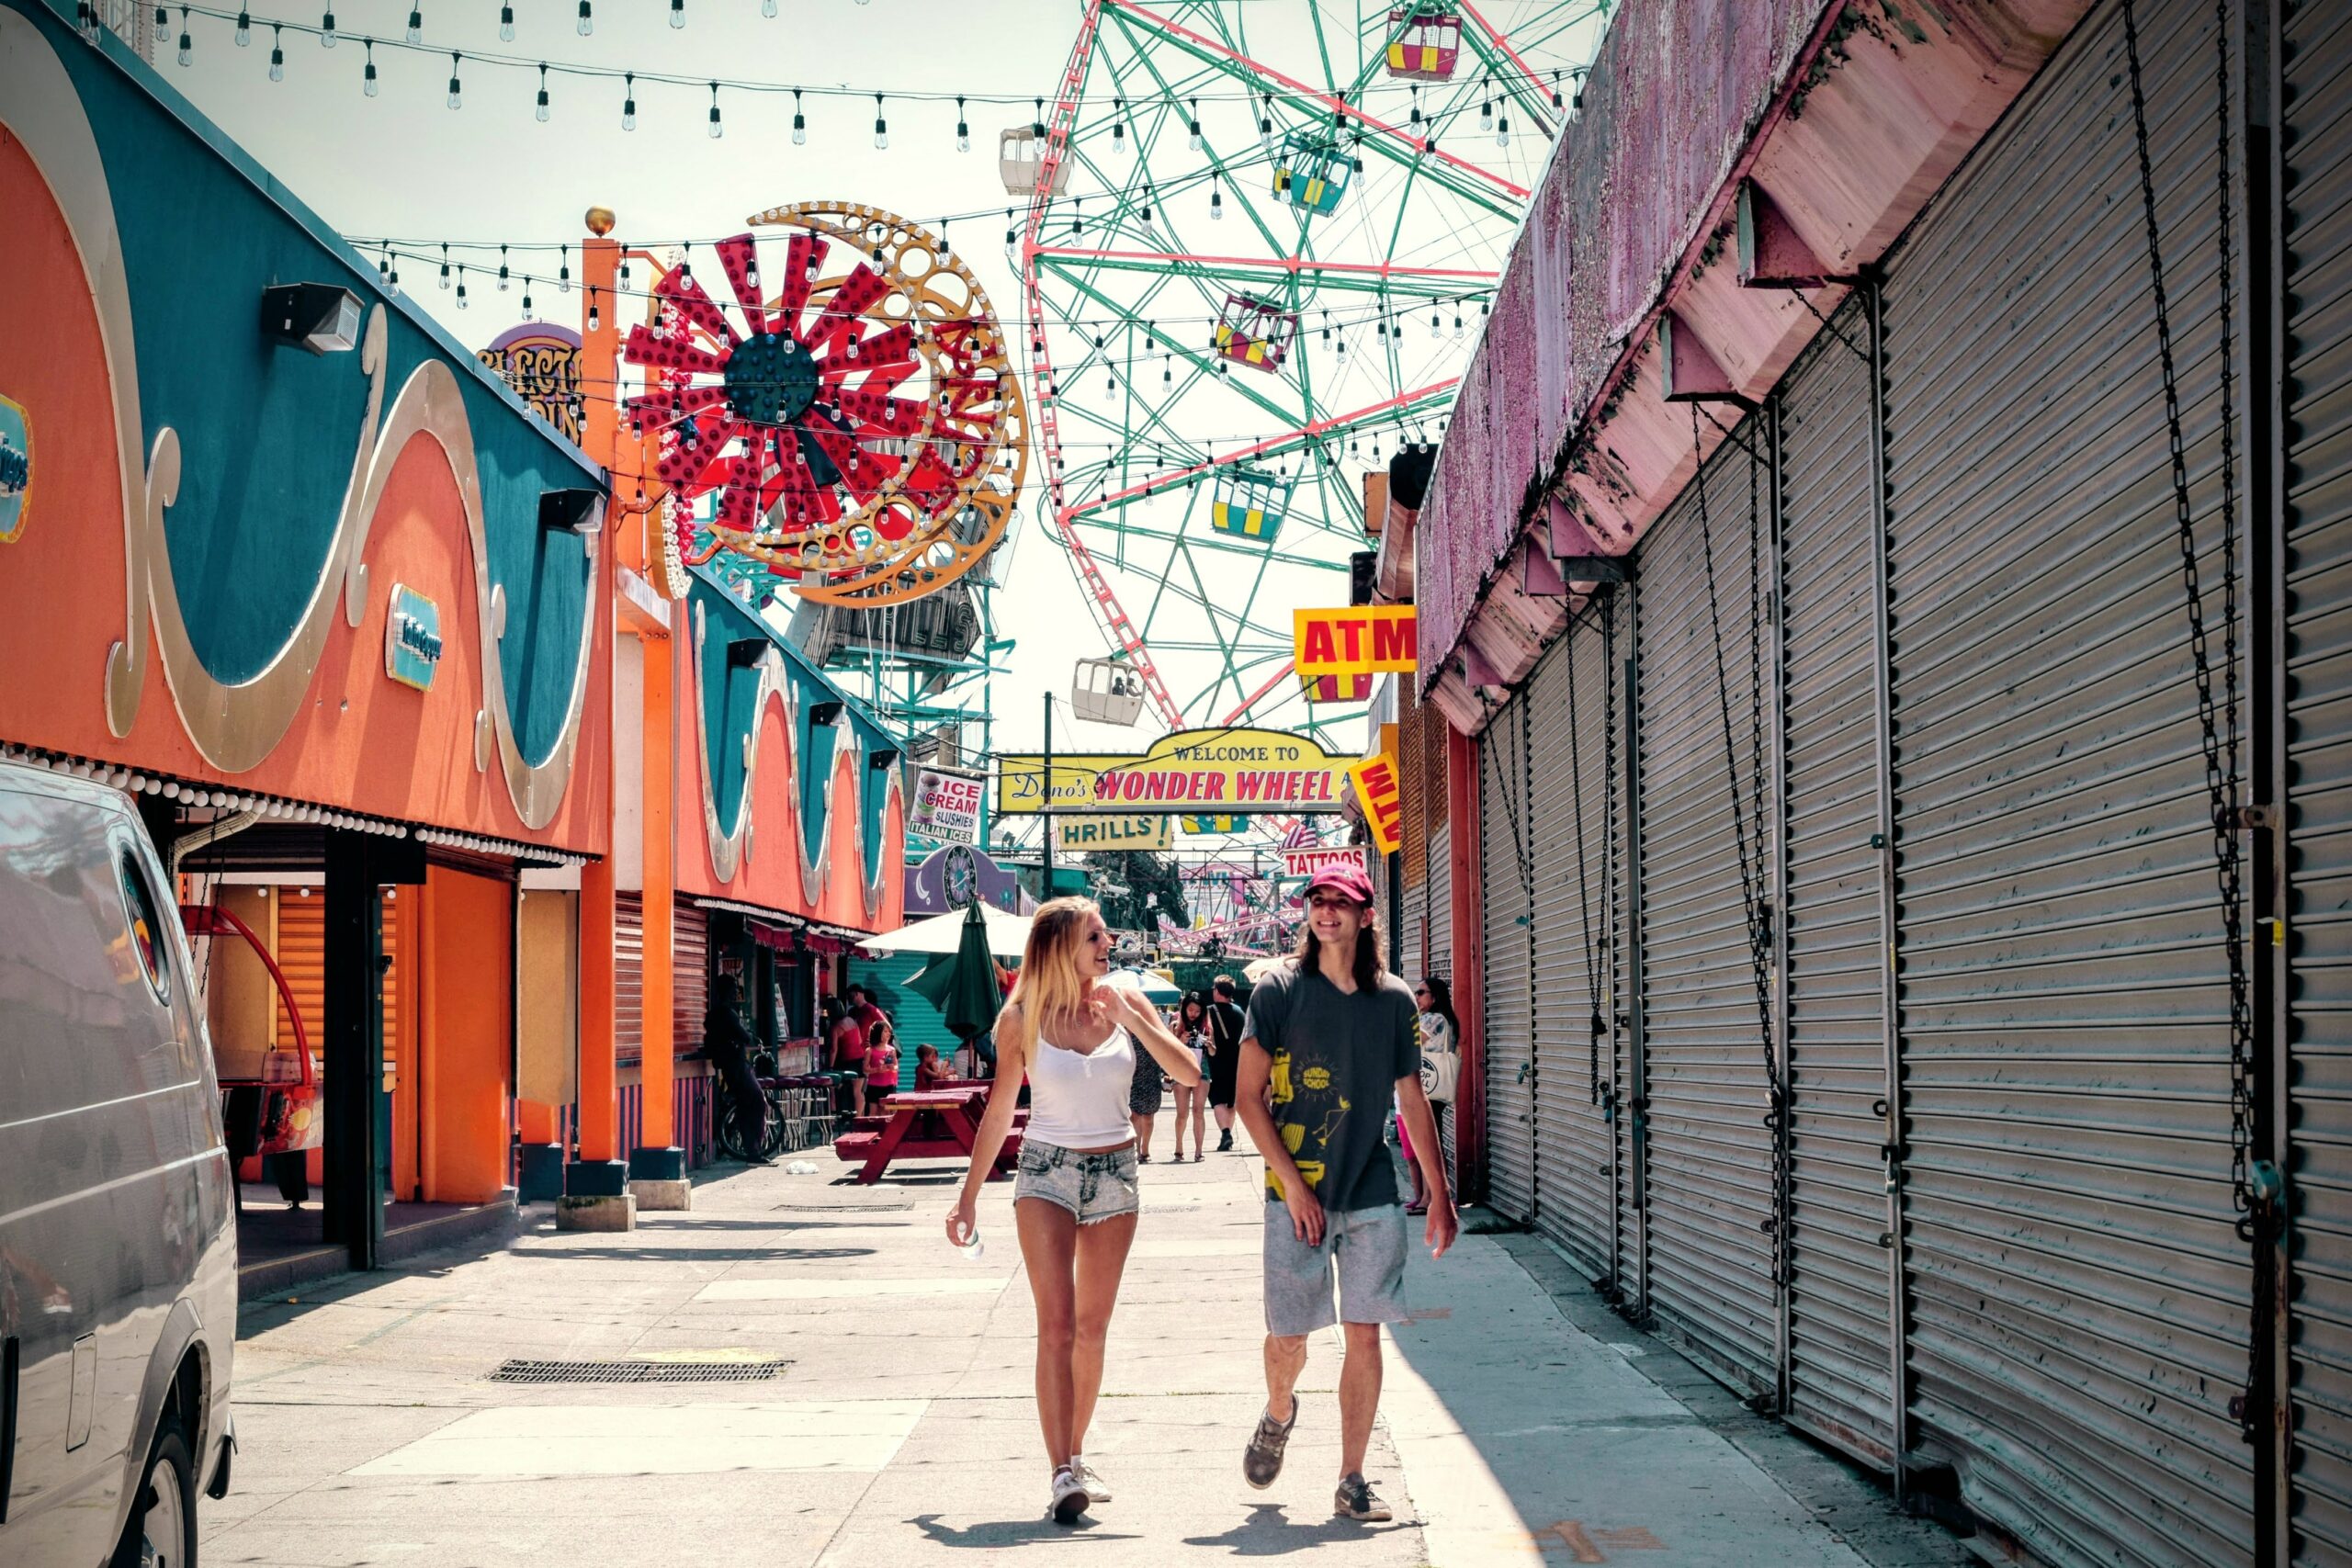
1357, 1500
1261, 1462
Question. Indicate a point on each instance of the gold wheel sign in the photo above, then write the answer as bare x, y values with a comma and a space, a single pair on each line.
1194, 771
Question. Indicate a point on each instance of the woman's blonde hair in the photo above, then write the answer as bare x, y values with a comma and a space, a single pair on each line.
1049, 983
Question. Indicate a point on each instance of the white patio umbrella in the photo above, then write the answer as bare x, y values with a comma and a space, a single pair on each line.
1007, 934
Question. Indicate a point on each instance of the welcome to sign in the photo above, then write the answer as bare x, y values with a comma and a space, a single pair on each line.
1195, 772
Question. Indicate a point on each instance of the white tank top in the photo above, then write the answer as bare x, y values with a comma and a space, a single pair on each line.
1081, 1102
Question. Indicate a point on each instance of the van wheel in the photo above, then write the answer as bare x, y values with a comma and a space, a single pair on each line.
161, 1531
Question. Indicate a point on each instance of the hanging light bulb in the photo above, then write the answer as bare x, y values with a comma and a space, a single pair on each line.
963, 129
1110, 388
563, 270
326, 32
1196, 124
541, 113
1416, 120
1147, 206
628, 101
245, 28
415, 33
799, 121
767, 8
462, 289
717, 129
587, 23
502, 269
277, 55
677, 13
1216, 200
456, 91
1119, 125
445, 263
187, 50
1266, 124
1486, 110
1457, 321
1503, 132
368, 73
1168, 370
881, 126
1437, 328
506, 23
527, 298
595, 315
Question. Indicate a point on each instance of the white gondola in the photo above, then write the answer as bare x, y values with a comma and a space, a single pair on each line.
1020, 153
1107, 690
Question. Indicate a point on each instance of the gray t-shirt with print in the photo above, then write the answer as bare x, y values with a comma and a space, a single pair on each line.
1336, 1059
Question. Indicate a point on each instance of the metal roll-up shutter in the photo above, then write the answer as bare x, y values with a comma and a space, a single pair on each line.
1412, 862
302, 954
1439, 956
1569, 763
2318, 136
690, 975
1503, 915
1621, 1101
1840, 1325
1708, 1155
2077, 1300
628, 978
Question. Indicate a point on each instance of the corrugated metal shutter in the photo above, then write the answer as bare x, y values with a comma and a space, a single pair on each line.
1502, 841
301, 958
2318, 63
1628, 1142
690, 964
1440, 957
1840, 1332
628, 978
391, 906
1573, 893
1709, 1154
2078, 1313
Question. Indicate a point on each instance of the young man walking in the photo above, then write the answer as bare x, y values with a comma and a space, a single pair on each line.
1330, 1037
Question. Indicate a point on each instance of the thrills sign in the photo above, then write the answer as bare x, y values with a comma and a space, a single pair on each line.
1192, 772
1369, 639
1079, 834
1382, 793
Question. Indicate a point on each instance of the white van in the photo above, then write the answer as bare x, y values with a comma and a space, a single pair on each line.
117, 1227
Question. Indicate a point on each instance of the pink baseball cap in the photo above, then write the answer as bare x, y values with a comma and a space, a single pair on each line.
1344, 879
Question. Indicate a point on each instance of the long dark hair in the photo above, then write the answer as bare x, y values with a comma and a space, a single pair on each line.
1442, 1002
1194, 1012
1368, 966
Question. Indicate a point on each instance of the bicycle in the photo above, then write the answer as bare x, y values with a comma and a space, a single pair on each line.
728, 1131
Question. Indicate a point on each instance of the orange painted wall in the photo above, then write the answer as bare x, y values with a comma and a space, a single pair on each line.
770, 875
468, 1011
61, 593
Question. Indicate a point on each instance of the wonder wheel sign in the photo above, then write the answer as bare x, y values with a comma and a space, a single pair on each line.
855, 425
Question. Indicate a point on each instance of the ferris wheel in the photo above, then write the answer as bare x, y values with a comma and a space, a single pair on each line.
1257, 245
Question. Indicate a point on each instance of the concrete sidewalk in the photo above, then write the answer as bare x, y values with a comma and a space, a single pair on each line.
901, 1432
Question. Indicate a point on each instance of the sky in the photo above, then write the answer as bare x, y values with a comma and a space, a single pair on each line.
403, 165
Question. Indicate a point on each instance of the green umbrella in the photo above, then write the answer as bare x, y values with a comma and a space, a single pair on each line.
962, 985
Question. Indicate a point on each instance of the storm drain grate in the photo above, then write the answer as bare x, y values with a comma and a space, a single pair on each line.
639, 1371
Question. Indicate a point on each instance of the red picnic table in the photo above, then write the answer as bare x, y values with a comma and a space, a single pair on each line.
925, 1125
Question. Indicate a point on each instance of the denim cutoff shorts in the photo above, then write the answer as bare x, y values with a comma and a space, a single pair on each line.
1093, 1187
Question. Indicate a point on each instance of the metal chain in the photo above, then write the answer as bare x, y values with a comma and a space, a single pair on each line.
2255, 1192
1584, 881
1759, 919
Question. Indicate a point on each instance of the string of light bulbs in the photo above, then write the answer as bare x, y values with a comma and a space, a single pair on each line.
328, 33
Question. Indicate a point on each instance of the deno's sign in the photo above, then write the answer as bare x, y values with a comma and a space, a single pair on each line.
1198, 772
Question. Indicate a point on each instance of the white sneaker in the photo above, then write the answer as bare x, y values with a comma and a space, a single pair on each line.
1096, 1487
1070, 1497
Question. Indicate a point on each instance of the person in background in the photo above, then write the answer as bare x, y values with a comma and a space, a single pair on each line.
1225, 1058
844, 1050
863, 1008
1439, 1030
1191, 1026
727, 1043
881, 1066
930, 1070
1143, 1102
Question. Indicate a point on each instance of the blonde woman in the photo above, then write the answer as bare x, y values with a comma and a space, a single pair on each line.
1074, 1035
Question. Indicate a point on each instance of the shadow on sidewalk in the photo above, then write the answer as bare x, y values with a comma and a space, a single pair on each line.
1010, 1533
1267, 1533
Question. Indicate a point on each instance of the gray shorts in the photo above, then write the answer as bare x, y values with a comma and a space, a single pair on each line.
1092, 1187
1365, 1247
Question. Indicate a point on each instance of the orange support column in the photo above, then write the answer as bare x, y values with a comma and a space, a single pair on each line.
596, 1195
658, 1166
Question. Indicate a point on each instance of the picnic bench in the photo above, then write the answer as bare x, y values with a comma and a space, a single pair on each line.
924, 1124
